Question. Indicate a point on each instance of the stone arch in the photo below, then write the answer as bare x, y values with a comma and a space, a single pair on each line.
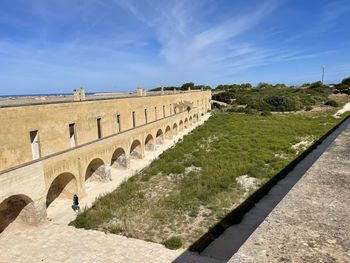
175, 129
17, 208
135, 150
194, 118
186, 123
64, 185
149, 143
190, 121
168, 134
119, 159
181, 125
97, 171
159, 137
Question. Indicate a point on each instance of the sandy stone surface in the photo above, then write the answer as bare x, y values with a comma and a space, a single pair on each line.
55, 241
312, 223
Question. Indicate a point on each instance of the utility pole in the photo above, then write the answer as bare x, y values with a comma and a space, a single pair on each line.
322, 80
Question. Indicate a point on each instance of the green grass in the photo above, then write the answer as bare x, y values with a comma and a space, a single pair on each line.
193, 185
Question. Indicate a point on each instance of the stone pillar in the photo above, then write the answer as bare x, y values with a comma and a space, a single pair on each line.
76, 96
144, 92
189, 89
40, 209
33, 213
174, 91
82, 94
139, 92
161, 91
127, 161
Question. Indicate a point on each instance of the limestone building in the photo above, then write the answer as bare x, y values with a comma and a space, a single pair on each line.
51, 149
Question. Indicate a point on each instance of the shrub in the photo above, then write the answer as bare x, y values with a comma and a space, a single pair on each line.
308, 108
250, 111
281, 103
265, 113
332, 103
116, 230
83, 221
224, 97
173, 243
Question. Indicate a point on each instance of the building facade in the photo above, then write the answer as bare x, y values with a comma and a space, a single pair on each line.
53, 149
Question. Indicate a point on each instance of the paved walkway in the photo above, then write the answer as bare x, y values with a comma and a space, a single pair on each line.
312, 223
55, 241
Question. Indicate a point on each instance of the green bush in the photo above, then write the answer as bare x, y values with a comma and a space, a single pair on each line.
83, 221
224, 97
332, 103
116, 230
279, 103
266, 113
173, 243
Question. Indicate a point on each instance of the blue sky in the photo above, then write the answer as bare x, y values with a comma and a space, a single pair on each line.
50, 46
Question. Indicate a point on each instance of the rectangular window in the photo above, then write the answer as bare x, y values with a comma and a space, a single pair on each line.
118, 123
133, 119
146, 116
34, 140
99, 130
163, 111
155, 113
72, 135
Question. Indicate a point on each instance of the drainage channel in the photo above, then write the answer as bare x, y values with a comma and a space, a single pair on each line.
228, 243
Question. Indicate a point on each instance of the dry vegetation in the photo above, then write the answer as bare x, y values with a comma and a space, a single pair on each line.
196, 183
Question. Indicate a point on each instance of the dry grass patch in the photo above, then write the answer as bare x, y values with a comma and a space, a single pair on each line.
196, 183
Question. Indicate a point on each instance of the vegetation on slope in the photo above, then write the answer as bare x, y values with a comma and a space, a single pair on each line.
277, 100
196, 183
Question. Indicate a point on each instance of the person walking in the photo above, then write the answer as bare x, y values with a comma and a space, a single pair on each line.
76, 203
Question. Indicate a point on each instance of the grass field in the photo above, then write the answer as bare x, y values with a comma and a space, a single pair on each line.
213, 169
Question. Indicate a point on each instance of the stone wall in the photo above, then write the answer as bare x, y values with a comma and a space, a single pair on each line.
52, 122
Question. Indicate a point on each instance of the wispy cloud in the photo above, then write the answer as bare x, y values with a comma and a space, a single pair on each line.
95, 42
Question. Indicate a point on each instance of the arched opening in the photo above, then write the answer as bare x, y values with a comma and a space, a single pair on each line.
64, 186
96, 171
181, 126
135, 150
159, 137
190, 121
197, 117
119, 159
194, 118
175, 129
17, 208
186, 123
168, 133
149, 143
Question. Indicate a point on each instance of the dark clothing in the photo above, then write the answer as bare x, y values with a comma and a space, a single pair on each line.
75, 203
75, 200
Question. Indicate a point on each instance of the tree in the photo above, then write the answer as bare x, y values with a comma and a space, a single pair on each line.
185, 86
346, 82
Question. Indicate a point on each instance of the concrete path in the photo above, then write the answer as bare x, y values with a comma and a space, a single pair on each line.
219, 102
56, 243
344, 109
312, 223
